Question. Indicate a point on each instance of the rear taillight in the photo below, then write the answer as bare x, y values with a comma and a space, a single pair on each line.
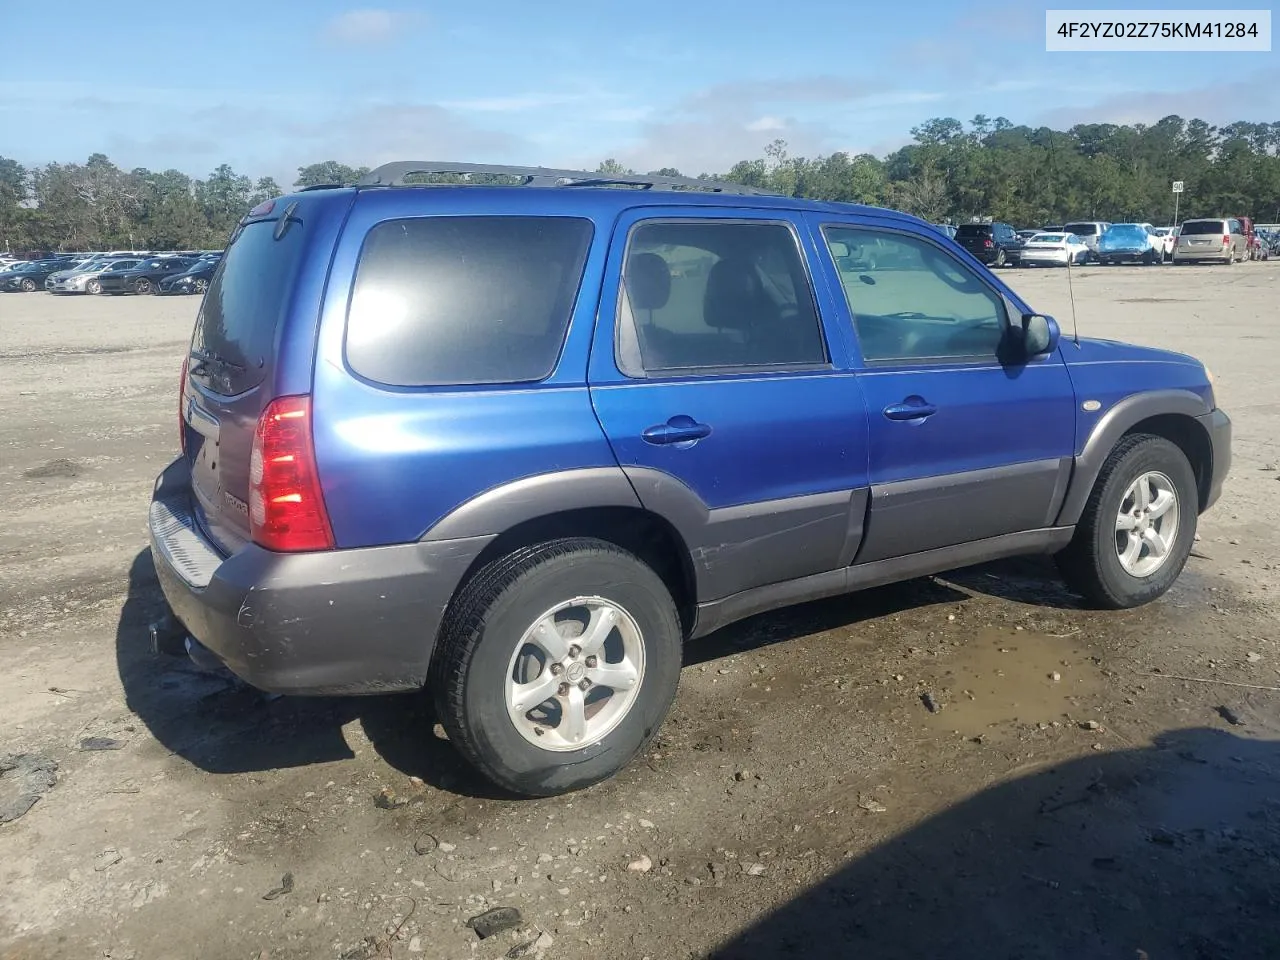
988, 244
182, 407
1226, 240
286, 509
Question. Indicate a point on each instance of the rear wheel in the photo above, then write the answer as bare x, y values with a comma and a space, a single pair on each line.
201, 286
557, 664
1138, 527
1000, 258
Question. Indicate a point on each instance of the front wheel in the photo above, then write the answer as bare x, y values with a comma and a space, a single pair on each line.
557, 664
93, 286
143, 285
1137, 529
28, 285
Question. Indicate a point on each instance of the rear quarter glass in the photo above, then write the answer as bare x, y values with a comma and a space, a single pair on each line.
455, 300
247, 295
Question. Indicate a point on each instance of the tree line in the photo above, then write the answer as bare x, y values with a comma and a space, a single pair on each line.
949, 171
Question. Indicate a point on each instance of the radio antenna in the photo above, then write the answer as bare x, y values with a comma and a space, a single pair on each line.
1071, 291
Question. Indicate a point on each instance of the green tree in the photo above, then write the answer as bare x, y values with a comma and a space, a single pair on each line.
328, 172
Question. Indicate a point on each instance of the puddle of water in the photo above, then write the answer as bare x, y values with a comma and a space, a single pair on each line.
1004, 676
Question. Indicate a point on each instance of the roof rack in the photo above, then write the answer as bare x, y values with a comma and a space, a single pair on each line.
395, 175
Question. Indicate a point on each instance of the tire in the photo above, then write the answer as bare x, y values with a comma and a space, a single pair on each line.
479, 657
142, 285
1000, 259
94, 286
28, 285
201, 286
1092, 565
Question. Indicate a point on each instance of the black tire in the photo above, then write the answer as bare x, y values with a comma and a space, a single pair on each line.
484, 624
1090, 563
1000, 258
93, 287
28, 285
142, 285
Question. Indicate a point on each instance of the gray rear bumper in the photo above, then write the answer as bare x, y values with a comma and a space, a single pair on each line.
1218, 425
334, 622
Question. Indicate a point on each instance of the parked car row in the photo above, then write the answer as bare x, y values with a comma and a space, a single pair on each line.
113, 273
1225, 239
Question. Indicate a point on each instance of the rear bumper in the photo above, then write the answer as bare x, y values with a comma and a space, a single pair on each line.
336, 622
1192, 255
1126, 256
1218, 425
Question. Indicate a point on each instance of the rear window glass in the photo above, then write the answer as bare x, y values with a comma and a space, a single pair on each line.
1082, 229
973, 230
236, 327
1193, 227
464, 300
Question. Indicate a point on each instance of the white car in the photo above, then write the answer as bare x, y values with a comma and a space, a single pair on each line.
1054, 250
1170, 237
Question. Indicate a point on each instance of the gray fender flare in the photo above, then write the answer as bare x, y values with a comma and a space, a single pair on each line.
1113, 425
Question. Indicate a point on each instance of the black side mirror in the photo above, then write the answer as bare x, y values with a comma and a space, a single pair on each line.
1030, 335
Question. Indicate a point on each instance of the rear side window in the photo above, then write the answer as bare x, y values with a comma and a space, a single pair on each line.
1082, 229
1202, 227
444, 301
705, 296
236, 327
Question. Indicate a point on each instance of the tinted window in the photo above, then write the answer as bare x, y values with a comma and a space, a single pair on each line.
698, 295
973, 230
1203, 227
1082, 229
238, 317
911, 301
464, 300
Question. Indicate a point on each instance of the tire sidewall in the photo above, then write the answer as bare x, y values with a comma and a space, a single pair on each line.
628, 583
1156, 455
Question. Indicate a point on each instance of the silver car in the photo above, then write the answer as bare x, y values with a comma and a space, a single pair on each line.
84, 278
1090, 231
1220, 239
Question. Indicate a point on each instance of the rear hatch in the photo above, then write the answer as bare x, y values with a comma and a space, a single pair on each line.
1202, 234
230, 370
975, 237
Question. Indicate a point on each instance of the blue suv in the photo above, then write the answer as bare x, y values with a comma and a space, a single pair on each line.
517, 442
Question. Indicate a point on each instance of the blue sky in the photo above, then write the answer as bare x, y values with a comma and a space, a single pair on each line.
272, 84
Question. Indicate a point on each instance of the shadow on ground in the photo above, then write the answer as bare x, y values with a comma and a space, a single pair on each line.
1161, 853
223, 726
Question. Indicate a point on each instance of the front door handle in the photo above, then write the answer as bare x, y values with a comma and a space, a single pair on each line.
912, 408
679, 429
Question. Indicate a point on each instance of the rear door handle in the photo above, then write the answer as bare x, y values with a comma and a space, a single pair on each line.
679, 429
913, 408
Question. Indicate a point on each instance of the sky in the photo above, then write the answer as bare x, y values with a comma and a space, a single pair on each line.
270, 85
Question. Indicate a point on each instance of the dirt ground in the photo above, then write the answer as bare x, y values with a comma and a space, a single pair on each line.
799, 801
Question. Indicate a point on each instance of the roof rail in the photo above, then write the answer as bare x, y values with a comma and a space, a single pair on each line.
395, 174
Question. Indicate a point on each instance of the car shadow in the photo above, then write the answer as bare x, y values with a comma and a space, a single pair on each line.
1160, 852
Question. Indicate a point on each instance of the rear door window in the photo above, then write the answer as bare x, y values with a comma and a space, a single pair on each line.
716, 296
444, 301
235, 331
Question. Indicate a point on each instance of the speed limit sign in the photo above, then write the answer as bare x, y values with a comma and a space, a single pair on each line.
1177, 186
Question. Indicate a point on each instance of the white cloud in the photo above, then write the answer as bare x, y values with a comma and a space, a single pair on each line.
365, 27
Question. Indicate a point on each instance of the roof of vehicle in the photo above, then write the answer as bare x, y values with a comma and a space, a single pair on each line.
590, 192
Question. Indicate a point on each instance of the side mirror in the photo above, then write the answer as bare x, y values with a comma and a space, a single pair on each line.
1039, 335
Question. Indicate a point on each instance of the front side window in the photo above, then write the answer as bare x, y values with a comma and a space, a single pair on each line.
911, 301
705, 295
464, 300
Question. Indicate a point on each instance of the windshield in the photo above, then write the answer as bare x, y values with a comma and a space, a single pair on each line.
1202, 227
1082, 229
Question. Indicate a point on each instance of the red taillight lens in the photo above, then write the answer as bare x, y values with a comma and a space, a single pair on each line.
1226, 240
182, 407
286, 509
987, 244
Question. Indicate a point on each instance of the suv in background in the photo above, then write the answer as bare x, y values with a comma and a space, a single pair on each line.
1220, 239
995, 244
1090, 231
517, 444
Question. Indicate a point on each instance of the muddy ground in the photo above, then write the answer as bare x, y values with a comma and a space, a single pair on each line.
800, 800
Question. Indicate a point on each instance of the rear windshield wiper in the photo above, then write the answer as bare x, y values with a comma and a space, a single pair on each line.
208, 356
